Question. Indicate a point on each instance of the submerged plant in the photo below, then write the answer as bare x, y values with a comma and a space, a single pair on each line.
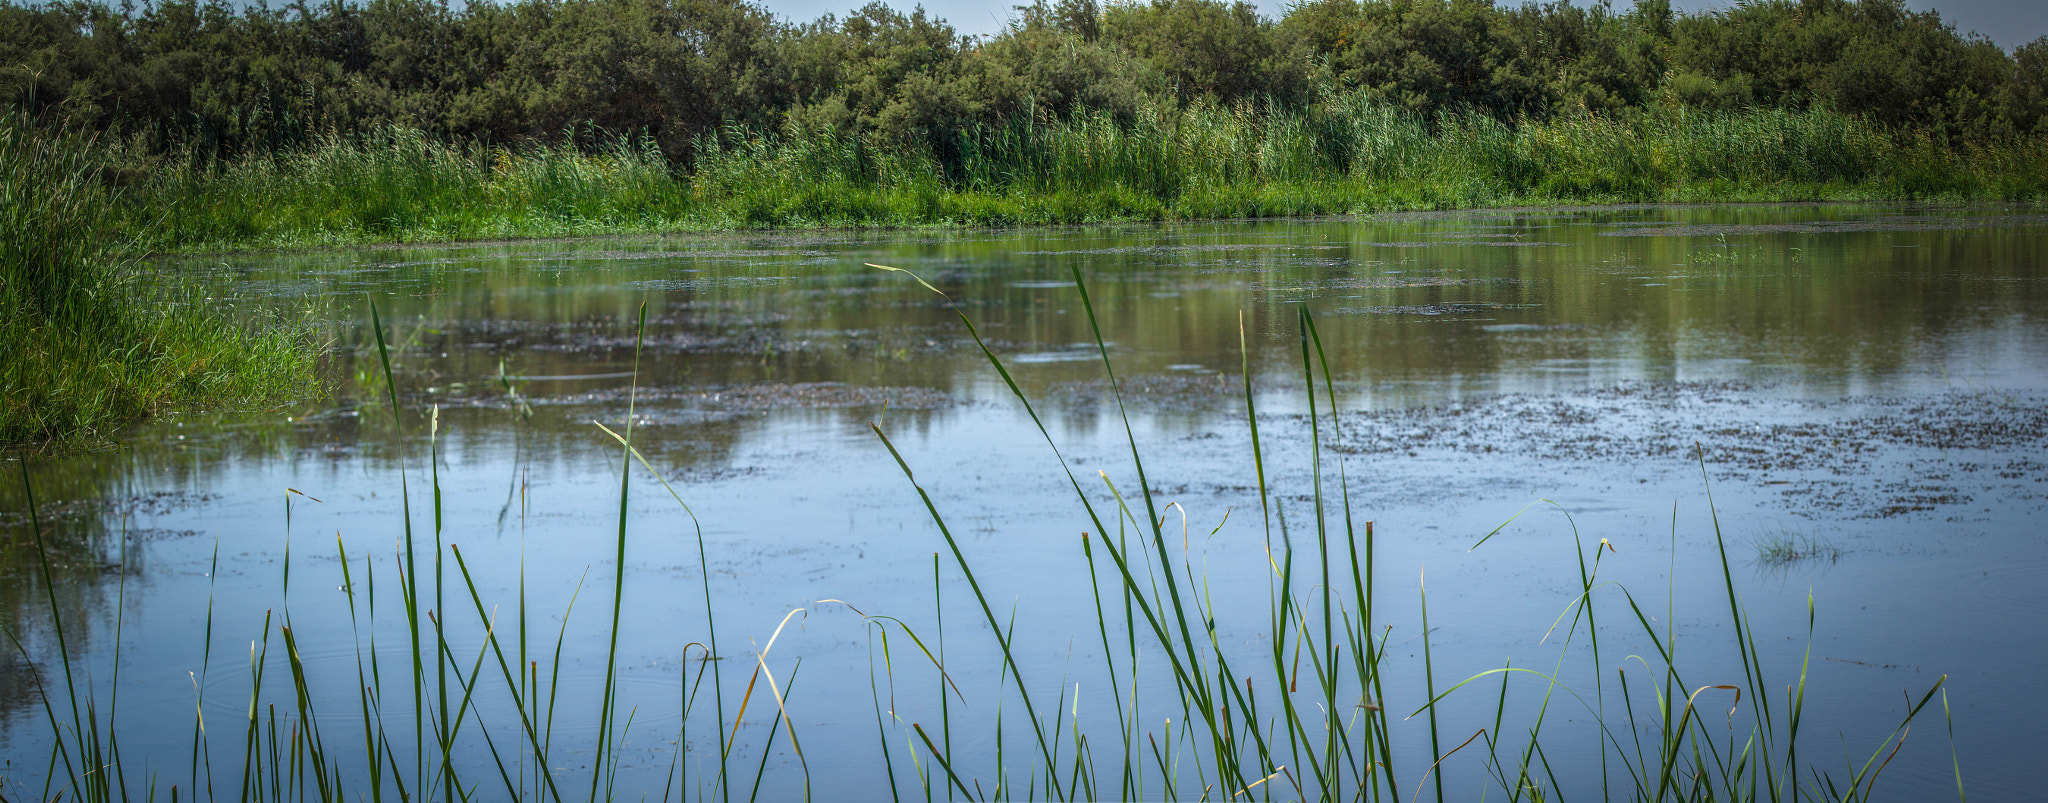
1788, 546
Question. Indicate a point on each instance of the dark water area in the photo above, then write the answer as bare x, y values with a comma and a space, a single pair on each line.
1864, 386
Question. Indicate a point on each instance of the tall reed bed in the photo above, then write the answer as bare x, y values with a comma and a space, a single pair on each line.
1313, 708
1347, 154
1344, 154
89, 343
402, 185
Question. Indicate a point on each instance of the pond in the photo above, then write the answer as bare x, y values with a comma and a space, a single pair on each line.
1855, 398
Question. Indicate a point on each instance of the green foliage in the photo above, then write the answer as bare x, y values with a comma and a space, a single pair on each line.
90, 345
218, 78
1872, 58
402, 185
1207, 49
1425, 56
1343, 153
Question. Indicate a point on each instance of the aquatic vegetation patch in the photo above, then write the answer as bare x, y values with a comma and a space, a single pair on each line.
763, 396
1430, 310
818, 396
153, 503
1186, 390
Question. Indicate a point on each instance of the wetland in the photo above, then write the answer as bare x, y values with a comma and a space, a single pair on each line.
1687, 387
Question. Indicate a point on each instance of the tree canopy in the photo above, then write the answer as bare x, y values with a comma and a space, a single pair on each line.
224, 79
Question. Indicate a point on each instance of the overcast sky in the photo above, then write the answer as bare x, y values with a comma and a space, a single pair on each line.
2010, 23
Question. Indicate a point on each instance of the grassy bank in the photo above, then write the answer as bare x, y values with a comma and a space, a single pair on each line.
1345, 155
452, 693
91, 341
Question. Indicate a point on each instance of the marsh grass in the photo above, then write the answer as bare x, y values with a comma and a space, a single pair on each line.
1344, 154
1314, 709
400, 185
91, 343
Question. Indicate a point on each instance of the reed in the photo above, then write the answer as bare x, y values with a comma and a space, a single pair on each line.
1314, 710
400, 185
1342, 154
91, 344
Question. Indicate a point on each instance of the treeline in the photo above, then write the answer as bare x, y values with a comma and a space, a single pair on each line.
211, 79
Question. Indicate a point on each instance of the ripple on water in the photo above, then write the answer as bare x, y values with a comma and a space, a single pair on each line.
2015, 585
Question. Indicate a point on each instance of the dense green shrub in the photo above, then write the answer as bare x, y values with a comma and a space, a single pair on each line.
219, 77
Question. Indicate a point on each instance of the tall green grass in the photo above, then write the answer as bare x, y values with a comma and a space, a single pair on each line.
1314, 710
90, 342
1344, 154
401, 185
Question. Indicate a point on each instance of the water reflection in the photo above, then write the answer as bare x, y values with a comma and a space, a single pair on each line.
764, 356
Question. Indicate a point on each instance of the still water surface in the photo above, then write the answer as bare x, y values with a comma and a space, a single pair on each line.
1869, 381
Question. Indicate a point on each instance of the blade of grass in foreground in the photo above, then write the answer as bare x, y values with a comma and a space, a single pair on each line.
604, 716
1196, 680
408, 583
1191, 677
35, 524
710, 621
1145, 606
1002, 637
525, 716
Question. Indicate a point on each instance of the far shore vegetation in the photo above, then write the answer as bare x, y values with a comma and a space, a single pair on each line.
1347, 155
186, 126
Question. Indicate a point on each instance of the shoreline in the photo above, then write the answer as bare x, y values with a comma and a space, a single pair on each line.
798, 232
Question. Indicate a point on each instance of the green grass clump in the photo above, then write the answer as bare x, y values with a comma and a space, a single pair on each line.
90, 343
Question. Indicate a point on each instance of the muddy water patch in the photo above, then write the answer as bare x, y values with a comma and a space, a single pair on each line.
1860, 457
760, 396
747, 334
151, 503
1177, 248
708, 254
1190, 387
1395, 281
